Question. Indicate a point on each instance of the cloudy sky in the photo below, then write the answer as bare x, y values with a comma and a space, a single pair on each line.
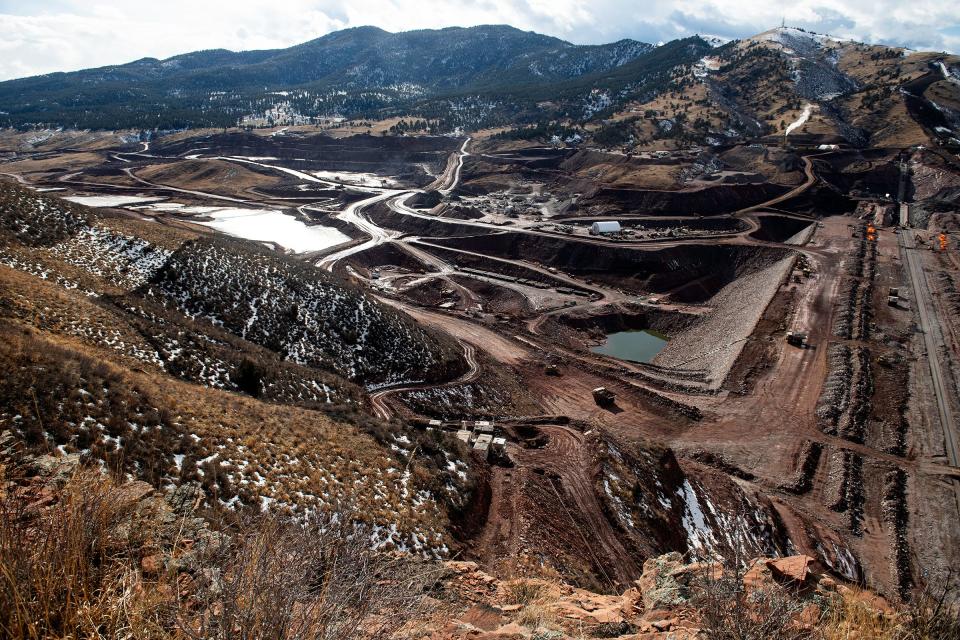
39, 36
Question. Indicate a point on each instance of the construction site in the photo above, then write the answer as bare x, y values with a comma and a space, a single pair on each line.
757, 358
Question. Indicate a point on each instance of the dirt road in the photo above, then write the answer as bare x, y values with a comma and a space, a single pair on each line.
933, 339
559, 477
378, 399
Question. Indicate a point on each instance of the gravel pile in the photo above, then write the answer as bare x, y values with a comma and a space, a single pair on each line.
896, 514
844, 492
802, 480
714, 343
836, 388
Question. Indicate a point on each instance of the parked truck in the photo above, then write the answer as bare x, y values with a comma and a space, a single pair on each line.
797, 338
603, 396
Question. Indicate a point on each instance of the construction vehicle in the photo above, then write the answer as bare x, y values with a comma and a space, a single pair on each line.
797, 338
603, 397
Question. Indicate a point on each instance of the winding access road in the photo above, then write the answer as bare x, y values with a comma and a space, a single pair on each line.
378, 399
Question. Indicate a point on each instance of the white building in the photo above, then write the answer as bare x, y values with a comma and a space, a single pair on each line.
605, 226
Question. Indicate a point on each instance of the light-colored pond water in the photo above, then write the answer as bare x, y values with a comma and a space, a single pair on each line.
635, 346
273, 226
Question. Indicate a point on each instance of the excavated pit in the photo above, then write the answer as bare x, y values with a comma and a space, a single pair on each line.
819, 200
507, 271
714, 341
401, 157
383, 255
382, 215
625, 317
775, 228
691, 273
708, 201
868, 172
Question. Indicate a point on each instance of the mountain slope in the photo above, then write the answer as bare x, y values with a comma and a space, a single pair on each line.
267, 324
809, 87
785, 81
214, 87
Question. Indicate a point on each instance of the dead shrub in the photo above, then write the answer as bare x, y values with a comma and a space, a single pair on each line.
727, 610
934, 612
524, 592
318, 579
70, 567
66, 571
849, 616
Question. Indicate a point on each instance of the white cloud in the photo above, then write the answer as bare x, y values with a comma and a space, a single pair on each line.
61, 35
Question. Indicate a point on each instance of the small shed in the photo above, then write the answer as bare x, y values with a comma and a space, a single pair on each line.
464, 435
602, 227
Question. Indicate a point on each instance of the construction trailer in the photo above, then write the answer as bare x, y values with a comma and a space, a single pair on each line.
603, 227
483, 426
603, 396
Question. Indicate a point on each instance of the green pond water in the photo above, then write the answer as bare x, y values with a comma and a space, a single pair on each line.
635, 346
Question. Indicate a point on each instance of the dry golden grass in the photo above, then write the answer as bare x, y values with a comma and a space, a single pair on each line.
67, 571
70, 317
161, 235
649, 176
71, 161
95, 559
483, 134
13, 140
525, 592
292, 457
217, 176
851, 617
340, 130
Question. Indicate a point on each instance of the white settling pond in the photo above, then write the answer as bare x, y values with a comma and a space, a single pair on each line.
268, 225
110, 201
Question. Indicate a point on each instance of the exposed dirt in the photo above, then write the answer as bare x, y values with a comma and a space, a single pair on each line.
833, 448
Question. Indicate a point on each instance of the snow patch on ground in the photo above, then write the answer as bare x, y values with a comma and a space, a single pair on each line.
699, 534
126, 261
802, 120
947, 74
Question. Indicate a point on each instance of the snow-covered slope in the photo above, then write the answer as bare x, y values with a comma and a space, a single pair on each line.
299, 312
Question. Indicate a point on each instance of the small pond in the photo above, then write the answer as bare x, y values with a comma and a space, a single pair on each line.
635, 346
